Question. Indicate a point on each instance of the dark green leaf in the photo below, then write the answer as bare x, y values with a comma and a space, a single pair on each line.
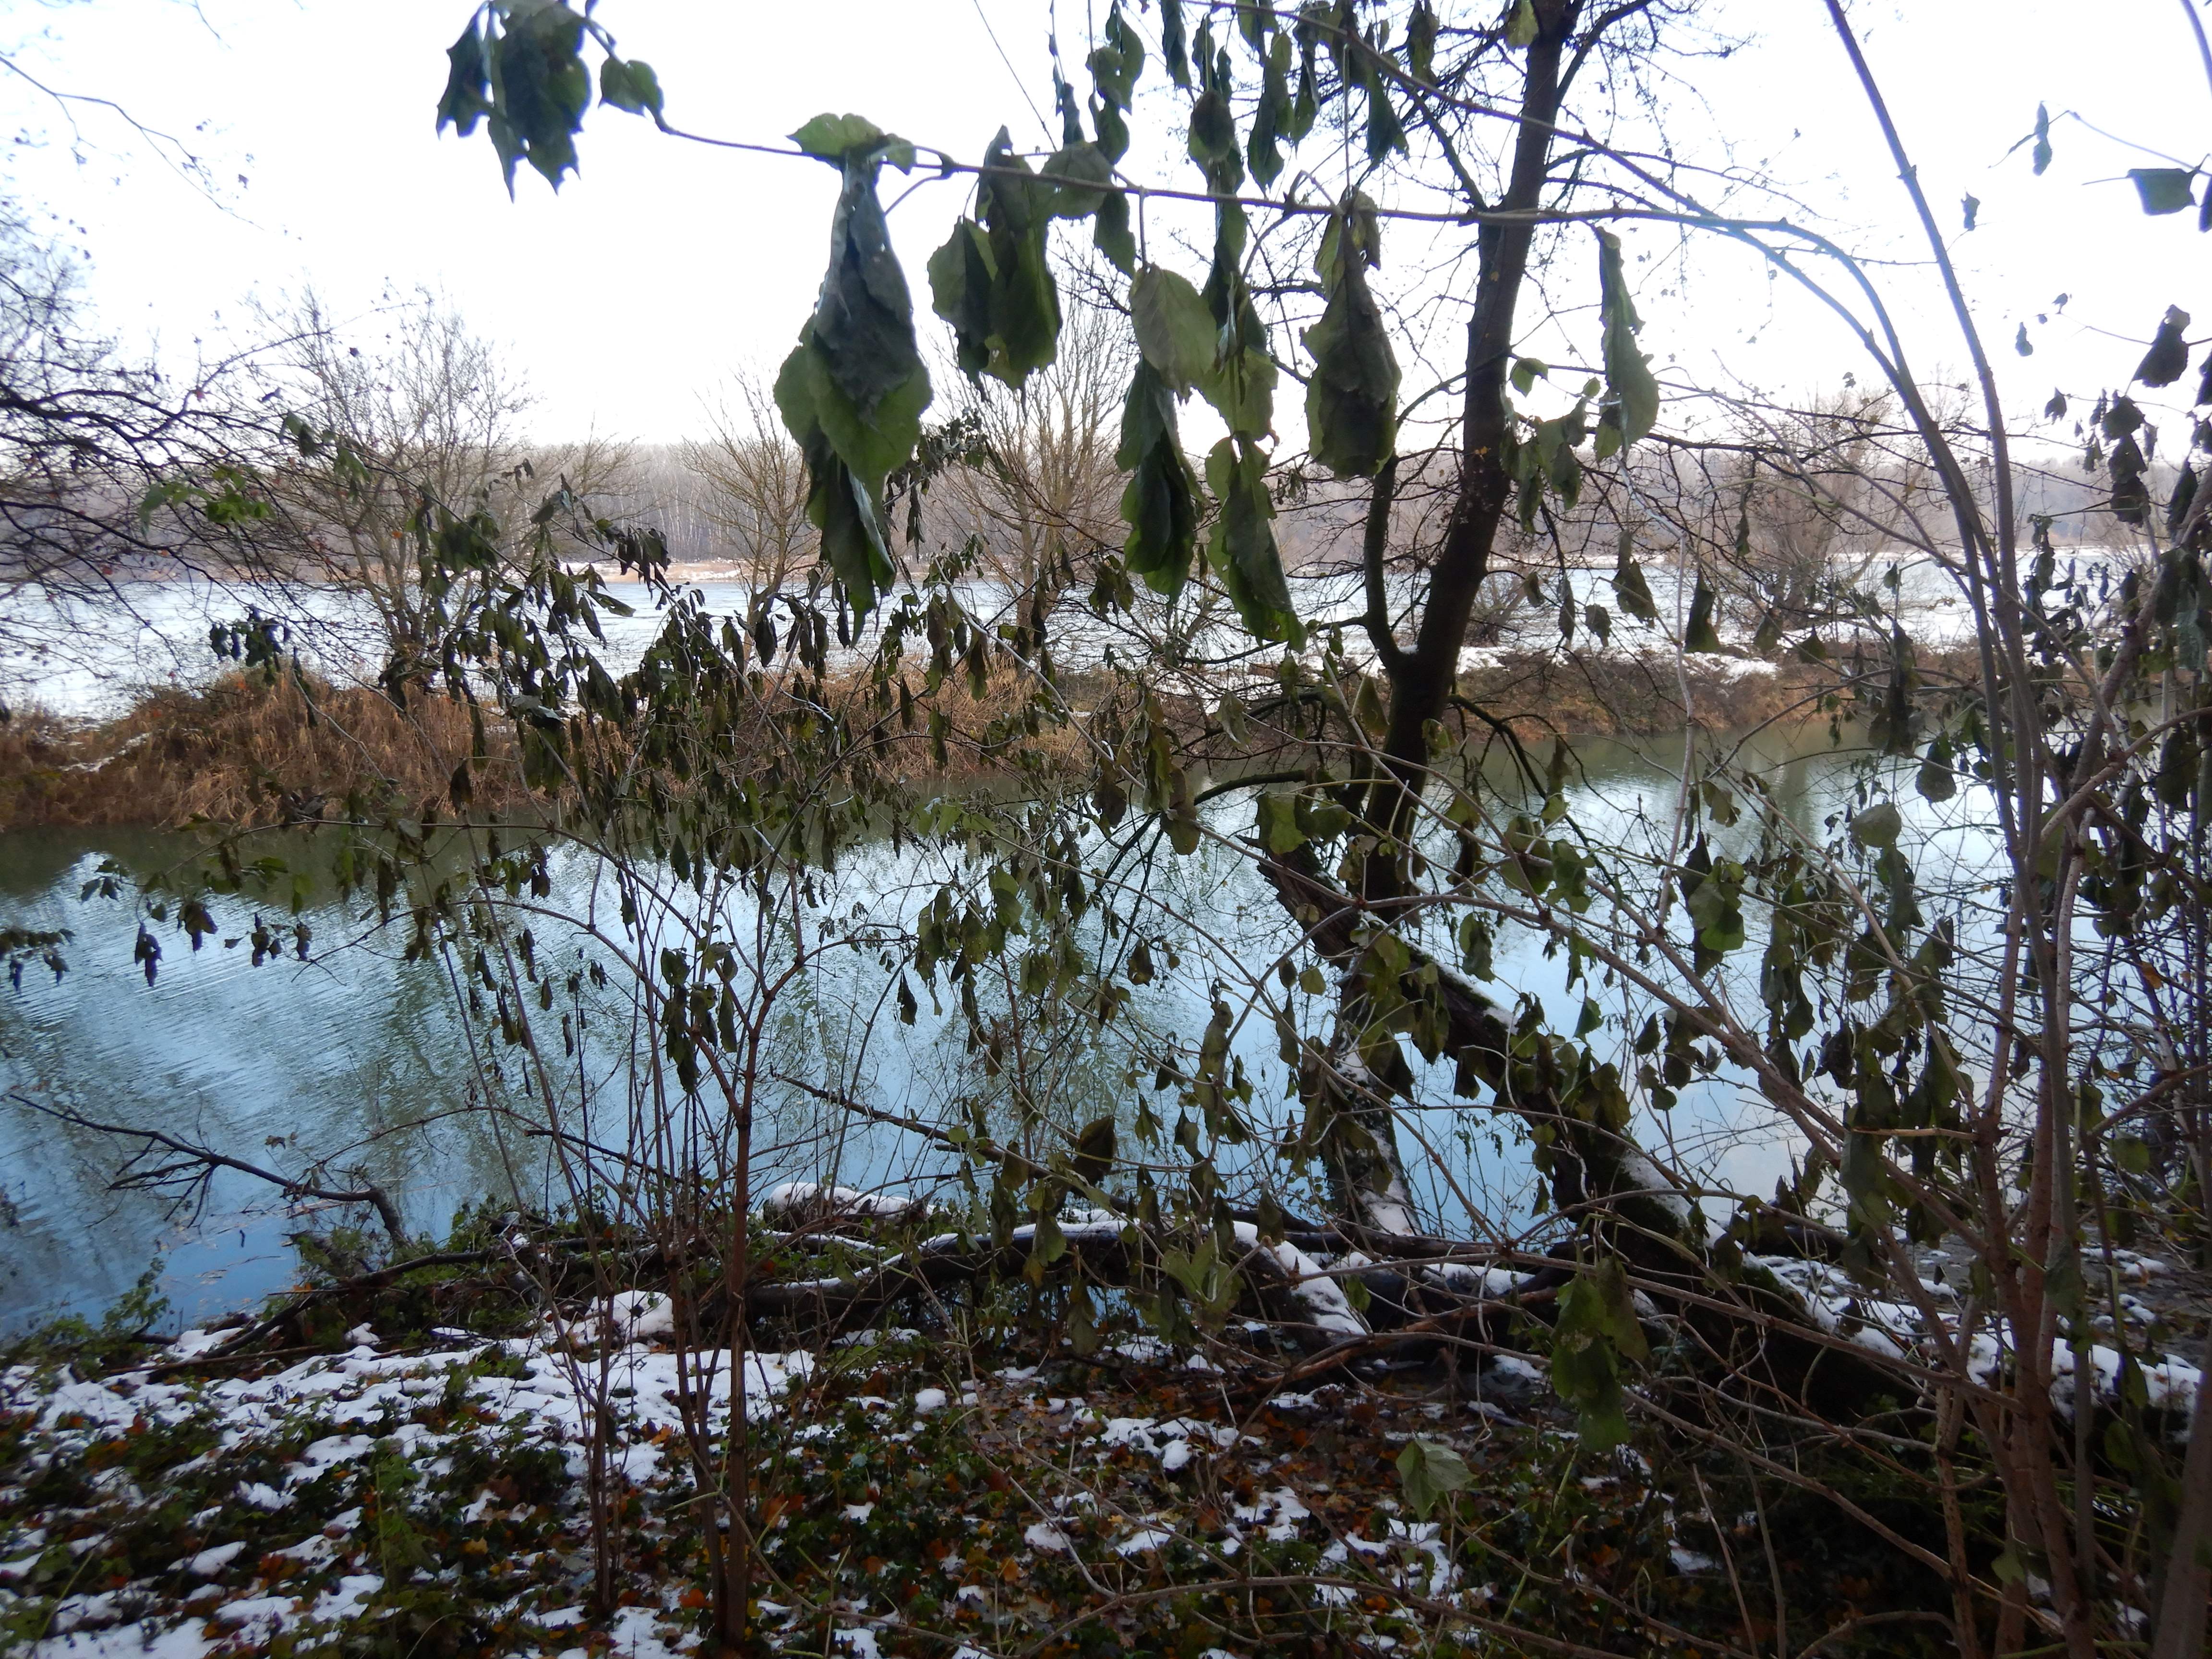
1632, 395
1429, 1470
1698, 633
1421, 42
1160, 502
1110, 234
1175, 331
468, 83
2168, 356
1352, 399
1877, 825
1175, 52
629, 86
1970, 206
1628, 583
1242, 548
1087, 164
2164, 190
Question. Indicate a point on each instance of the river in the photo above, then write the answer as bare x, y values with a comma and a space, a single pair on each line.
336, 1057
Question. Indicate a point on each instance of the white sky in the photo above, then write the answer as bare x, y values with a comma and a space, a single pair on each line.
666, 265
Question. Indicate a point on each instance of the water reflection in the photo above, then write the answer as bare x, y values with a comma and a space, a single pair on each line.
358, 1057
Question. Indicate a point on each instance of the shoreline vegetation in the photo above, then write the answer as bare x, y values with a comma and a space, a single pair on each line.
240, 750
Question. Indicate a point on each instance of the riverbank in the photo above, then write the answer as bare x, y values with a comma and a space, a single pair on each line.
432, 1494
239, 751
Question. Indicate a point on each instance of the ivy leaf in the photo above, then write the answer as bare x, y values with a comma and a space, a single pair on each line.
2022, 343
1632, 395
1970, 205
2168, 356
1242, 548
1352, 400
1175, 330
1520, 26
2164, 190
1429, 1469
2042, 152
1160, 503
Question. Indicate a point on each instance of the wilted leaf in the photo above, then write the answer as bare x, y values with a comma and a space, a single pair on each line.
2168, 356
2164, 190
1877, 826
1352, 400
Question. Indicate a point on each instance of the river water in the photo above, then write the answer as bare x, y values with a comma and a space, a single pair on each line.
358, 1058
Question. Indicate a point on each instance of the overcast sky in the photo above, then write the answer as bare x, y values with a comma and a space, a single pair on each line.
665, 266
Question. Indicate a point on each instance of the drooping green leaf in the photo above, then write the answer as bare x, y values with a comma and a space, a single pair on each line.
1175, 331
1877, 826
540, 90
1352, 399
467, 97
1025, 299
2042, 151
1385, 132
852, 392
1632, 395
1117, 63
1520, 26
863, 330
2167, 359
1628, 584
2164, 190
1421, 41
1174, 50
1272, 114
1086, 165
1160, 503
1699, 634
1242, 548
1110, 234
960, 277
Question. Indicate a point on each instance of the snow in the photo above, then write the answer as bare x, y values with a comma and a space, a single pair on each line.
1043, 1535
1311, 1282
928, 1400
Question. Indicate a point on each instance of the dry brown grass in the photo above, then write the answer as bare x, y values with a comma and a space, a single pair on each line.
238, 751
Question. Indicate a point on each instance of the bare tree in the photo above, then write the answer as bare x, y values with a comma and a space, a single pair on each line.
756, 483
429, 411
